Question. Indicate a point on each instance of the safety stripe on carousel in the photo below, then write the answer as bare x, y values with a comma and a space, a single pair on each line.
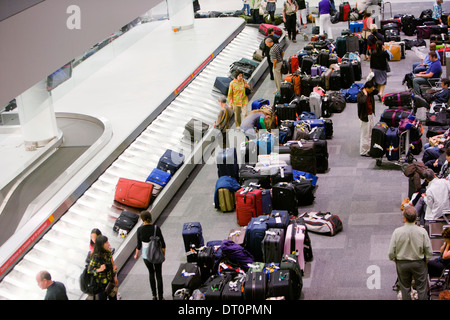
195, 73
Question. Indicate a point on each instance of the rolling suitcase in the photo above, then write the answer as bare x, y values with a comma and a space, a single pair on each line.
278, 219
215, 284
259, 103
335, 80
344, 11
273, 245
287, 92
285, 174
195, 130
133, 193
286, 111
357, 71
249, 173
255, 287
264, 27
227, 163
284, 197
295, 242
281, 283
347, 75
378, 140
306, 84
352, 43
254, 235
392, 144
248, 205
226, 200
423, 32
293, 63
192, 235
341, 46
234, 289
237, 235
158, 176
222, 83
187, 277
170, 161
206, 261
307, 63
289, 263
295, 79
303, 156
266, 201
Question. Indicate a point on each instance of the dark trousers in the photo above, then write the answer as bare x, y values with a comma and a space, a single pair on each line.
409, 270
155, 277
103, 296
291, 26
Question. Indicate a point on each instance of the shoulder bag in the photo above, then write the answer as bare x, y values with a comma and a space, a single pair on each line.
155, 252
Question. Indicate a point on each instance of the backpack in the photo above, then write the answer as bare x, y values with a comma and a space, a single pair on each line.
88, 284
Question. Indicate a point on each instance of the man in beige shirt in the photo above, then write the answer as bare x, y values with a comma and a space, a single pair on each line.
410, 249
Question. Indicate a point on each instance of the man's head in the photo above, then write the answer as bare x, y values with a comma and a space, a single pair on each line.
447, 155
223, 100
269, 42
410, 214
433, 55
432, 46
369, 86
44, 279
444, 83
270, 31
429, 174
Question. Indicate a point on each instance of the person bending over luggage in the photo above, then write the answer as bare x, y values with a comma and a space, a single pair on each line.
223, 121
435, 200
425, 63
366, 111
237, 98
143, 235
410, 249
438, 265
255, 121
433, 71
266, 49
379, 66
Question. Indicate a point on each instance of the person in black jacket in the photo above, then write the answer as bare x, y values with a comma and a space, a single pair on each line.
366, 111
266, 49
379, 66
143, 235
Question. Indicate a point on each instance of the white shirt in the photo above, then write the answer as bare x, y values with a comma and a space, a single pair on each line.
437, 198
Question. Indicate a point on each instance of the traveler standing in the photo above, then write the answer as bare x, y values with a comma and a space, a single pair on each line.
143, 235
55, 289
246, 7
437, 11
271, 7
325, 18
366, 112
103, 268
290, 8
223, 119
302, 20
410, 249
379, 66
266, 50
276, 56
254, 9
237, 98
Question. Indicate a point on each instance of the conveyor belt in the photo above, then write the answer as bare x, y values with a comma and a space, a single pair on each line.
64, 247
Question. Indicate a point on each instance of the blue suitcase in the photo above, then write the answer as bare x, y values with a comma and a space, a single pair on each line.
227, 163
392, 144
160, 177
266, 201
192, 234
222, 83
278, 219
254, 235
170, 161
257, 104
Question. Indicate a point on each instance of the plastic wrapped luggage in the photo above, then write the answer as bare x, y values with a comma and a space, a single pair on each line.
187, 277
170, 161
133, 193
248, 205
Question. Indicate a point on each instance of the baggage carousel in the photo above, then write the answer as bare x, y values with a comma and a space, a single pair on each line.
144, 98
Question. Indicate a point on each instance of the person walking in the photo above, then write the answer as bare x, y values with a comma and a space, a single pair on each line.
103, 268
276, 55
246, 7
271, 7
143, 235
325, 10
55, 290
437, 11
290, 8
410, 249
237, 97
366, 112
379, 66
302, 19
223, 119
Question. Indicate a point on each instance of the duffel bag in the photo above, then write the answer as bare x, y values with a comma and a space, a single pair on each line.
397, 99
322, 222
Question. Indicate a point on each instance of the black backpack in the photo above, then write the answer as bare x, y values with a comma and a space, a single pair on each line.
88, 284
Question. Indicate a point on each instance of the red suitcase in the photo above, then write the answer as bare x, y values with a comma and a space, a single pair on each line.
248, 205
133, 193
263, 27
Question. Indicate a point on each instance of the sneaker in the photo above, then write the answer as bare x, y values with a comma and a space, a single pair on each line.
294, 41
365, 155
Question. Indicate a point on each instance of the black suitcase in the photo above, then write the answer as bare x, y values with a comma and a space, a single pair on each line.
301, 103
227, 163
357, 71
234, 289
214, 285
281, 284
321, 146
126, 221
195, 130
284, 197
255, 287
335, 80
307, 63
289, 262
304, 192
285, 174
187, 277
273, 245
286, 111
347, 75
286, 92
249, 173
206, 260
378, 140
436, 130
324, 58
303, 158
222, 83
328, 128
305, 83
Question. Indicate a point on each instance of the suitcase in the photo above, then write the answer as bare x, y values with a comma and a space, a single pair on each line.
237, 235
266, 201
234, 289
254, 235
248, 152
439, 29
273, 245
303, 156
294, 243
352, 43
248, 205
187, 277
307, 63
195, 130
133, 193
286, 111
337, 102
423, 32
222, 83
398, 99
264, 27
327, 77
347, 75
227, 163
278, 219
315, 103
328, 125
284, 197
289, 263
255, 287
293, 63
226, 200
304, 192
392, 144
378, 140
285, 174
281, 283
357, 71
324, 58
344, 11
355, 26
214, 286
395, 49
287, 92
206, 258
170, 161
408, 24
249, 173
335, 80
306, 84
341, 46
192, 235
259, 103
295, 79
126, 221
160, 177
316, 70
392, 117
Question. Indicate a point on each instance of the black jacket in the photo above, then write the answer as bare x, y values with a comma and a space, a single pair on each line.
361, 100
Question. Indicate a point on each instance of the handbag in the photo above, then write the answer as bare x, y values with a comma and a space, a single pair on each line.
111, 289
155, 253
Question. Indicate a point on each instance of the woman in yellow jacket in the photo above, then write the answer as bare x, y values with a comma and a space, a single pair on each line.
237, 98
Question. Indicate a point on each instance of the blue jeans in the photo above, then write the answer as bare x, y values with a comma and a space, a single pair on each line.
246, 9
416, 68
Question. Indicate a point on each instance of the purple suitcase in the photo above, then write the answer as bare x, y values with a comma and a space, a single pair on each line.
316, 70
294, 242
